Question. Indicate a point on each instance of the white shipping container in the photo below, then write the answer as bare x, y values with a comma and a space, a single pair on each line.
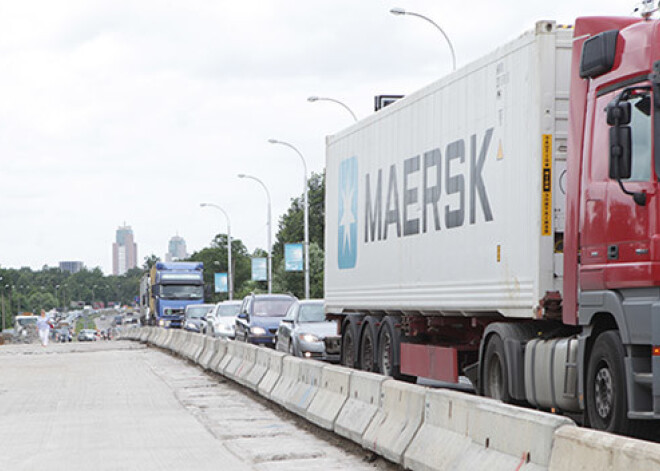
437, 203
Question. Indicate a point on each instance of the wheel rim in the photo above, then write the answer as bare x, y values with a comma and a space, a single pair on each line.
604, 392
495, 377
368, 353
386, 354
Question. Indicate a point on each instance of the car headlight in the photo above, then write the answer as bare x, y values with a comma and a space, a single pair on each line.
190, 325
308, 338
161, 322
258, 331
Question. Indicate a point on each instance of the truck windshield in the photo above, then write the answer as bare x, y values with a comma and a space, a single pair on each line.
28, 321
181, 292
271, 307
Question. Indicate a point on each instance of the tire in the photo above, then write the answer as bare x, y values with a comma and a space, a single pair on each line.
389, 366
607, 398
348, 357
495, 378
368, 348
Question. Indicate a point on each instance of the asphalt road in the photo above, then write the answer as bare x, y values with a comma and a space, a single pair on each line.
121, 406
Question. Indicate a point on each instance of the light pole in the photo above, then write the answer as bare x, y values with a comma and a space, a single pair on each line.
270, 260
312, 99
57, 299
93, 295
306, 210
401, 11
229, 267
2, 327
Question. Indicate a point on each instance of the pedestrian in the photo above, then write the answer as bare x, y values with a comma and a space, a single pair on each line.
44, 328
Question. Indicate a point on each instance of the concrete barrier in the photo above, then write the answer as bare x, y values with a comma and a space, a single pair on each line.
364, 391
288, 380
205, 357
167, 343
152, 335
272, 374
397, 420
228, 357
216, 359
306, 387
238, 354
246, 366
330, 398
258, 370
180, 341
589, 450
199, 342
145, 333
477, 432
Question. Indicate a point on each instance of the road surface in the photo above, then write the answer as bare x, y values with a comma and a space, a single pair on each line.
121, 406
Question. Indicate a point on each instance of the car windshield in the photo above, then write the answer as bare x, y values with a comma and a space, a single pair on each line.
28, 321
181, 292
229, 310
196, 312
271, 307
311, 313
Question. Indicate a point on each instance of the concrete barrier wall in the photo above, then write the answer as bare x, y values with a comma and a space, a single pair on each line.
330, 398
287, 381
145, 333
249, 360
228, 357
239, 351
205, 357
397, 420
258, 371
216, 359
590, 450
272, 375
199, 342
364, 394
305, 388
480, 432
167, 343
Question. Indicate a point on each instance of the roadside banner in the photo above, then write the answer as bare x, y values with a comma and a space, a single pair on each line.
293, 257
259, 269
221, 282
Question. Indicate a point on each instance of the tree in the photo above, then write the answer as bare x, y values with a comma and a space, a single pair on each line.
291, 230
150, 261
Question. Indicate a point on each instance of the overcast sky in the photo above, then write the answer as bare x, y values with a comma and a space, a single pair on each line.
137, 111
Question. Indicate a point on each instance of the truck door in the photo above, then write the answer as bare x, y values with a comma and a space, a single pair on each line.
615, 232
628, 225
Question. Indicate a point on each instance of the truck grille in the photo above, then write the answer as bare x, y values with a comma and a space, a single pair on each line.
332, 345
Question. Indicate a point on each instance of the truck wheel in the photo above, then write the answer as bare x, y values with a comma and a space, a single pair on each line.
348, 346
386, 351
368, 346
606, 385
495, 375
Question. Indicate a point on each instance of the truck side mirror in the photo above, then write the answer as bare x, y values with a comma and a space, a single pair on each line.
620, 155
618, 113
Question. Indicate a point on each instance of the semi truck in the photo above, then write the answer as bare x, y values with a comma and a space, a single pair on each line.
169, 288
502, 225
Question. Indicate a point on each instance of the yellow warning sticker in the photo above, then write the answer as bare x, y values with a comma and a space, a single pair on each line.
546, 196
500, 154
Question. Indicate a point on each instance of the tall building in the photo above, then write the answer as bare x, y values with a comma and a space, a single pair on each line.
176, 249
124, 251
71, 267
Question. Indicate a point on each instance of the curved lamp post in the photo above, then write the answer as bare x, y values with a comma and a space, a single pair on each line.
229, 268
305, 207
270, 264
312, 99
401, 11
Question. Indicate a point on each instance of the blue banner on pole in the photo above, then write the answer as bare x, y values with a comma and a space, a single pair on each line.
293, 257
259, 269
221, 283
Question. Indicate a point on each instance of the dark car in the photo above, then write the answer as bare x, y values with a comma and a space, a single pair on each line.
305, 332
260, 317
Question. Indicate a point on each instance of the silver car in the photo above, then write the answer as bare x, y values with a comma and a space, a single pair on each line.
221, 322
304, 332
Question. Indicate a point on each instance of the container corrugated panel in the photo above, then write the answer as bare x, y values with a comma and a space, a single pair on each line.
442, 203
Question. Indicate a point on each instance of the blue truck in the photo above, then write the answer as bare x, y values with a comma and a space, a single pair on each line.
169, 288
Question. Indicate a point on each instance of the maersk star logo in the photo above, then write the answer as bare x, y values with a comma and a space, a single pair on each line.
347, 232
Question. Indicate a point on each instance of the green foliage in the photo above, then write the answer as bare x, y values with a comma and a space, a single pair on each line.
291, 230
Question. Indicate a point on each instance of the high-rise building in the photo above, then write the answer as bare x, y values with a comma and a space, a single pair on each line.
176, 249
124, 251
71, 267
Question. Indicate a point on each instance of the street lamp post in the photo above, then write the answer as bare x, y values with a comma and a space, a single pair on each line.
401, 11
93, 295
312, 99
306, 209
230, 275
270, 260
57, 299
